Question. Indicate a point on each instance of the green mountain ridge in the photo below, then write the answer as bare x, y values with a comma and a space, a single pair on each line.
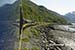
31, 11
31, 39
40, 13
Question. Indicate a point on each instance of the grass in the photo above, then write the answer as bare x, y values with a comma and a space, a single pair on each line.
35, 32
35, 48
27, 33
25, 39
25, 49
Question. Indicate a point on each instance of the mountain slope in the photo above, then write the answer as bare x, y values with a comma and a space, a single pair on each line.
70, 17
30, 11
9, 11
40, 13
31, 35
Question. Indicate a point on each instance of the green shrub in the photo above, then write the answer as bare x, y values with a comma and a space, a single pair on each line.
25, 39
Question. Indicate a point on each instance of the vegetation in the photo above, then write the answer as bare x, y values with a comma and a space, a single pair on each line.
34, 48
37, 13
31, 11
41, 15
25, 39
25, 48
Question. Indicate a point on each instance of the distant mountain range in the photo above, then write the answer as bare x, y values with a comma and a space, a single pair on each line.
70, 17
9, 11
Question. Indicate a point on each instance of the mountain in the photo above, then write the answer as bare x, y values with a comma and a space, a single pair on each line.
70, 17
40, 13
31, 36
31, 11
9, 11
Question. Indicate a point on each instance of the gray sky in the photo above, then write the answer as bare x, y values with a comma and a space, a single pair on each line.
2, 2
60, 6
